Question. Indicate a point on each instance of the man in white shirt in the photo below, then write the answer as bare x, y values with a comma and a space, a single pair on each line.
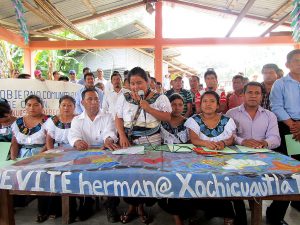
100, 78
111, 97
92, 127
89, 81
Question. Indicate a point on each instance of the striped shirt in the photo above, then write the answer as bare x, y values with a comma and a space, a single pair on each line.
186, 95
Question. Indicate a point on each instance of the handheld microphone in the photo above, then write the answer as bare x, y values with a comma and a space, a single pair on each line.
141, 93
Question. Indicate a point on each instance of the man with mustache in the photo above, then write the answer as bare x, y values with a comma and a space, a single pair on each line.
256, 128
111, 97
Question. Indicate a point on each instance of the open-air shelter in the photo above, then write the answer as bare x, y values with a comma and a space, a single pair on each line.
43, 17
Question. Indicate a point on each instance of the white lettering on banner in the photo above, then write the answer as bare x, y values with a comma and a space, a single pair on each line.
161, 187
97, 185
136, 189
38, 182
147, 183
52, 179
199, 184
285, 187
4, 178
84, 183
121, 185
65, 182
185, 185
23, 182
297, 178
233, 190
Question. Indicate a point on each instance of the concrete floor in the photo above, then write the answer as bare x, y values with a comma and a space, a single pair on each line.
26, 216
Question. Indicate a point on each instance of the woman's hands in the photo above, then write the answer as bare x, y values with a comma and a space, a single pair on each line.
124, 142
143, 103
214, 145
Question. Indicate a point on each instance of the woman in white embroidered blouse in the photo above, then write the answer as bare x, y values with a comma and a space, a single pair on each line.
138, 118
58, 126
174, 132
138, 122
29, 136
211, 129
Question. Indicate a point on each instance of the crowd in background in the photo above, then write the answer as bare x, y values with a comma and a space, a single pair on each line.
134, 109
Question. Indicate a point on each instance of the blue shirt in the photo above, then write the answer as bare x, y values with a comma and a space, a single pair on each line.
81, 81
79, 107
285, 98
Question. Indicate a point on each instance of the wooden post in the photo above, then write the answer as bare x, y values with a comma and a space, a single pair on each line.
65, 209
28, 61
256, 211
6, 208
158, 59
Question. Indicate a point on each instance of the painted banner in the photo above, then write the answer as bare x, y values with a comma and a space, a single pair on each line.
16, 90
154, 174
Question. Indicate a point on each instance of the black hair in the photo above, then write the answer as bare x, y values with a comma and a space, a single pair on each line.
154, 79
115, 73
88, 90
158, 83
87, 75
67, 97
125, 73
197, 77
138, 71
175, 96
24, 76
85, 69
254, 83
291, 54
55, 72
63, 78
37, 98
270, 66
238, 77
4, 107
215, 94
210, 71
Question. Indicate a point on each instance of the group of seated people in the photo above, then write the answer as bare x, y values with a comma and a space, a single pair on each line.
135, 117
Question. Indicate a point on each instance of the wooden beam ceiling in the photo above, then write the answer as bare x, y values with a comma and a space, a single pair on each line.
39, 13
241, 15
225, 11
12, 38
281, 9
274, 26
90, 6
96, 16
165, 42
51, 11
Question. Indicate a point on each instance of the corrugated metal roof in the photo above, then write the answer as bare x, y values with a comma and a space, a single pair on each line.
261, 8
75, 9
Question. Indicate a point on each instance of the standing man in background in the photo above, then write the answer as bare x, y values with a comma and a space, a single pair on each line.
285, 103
269, 72
84, 71
176, 82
